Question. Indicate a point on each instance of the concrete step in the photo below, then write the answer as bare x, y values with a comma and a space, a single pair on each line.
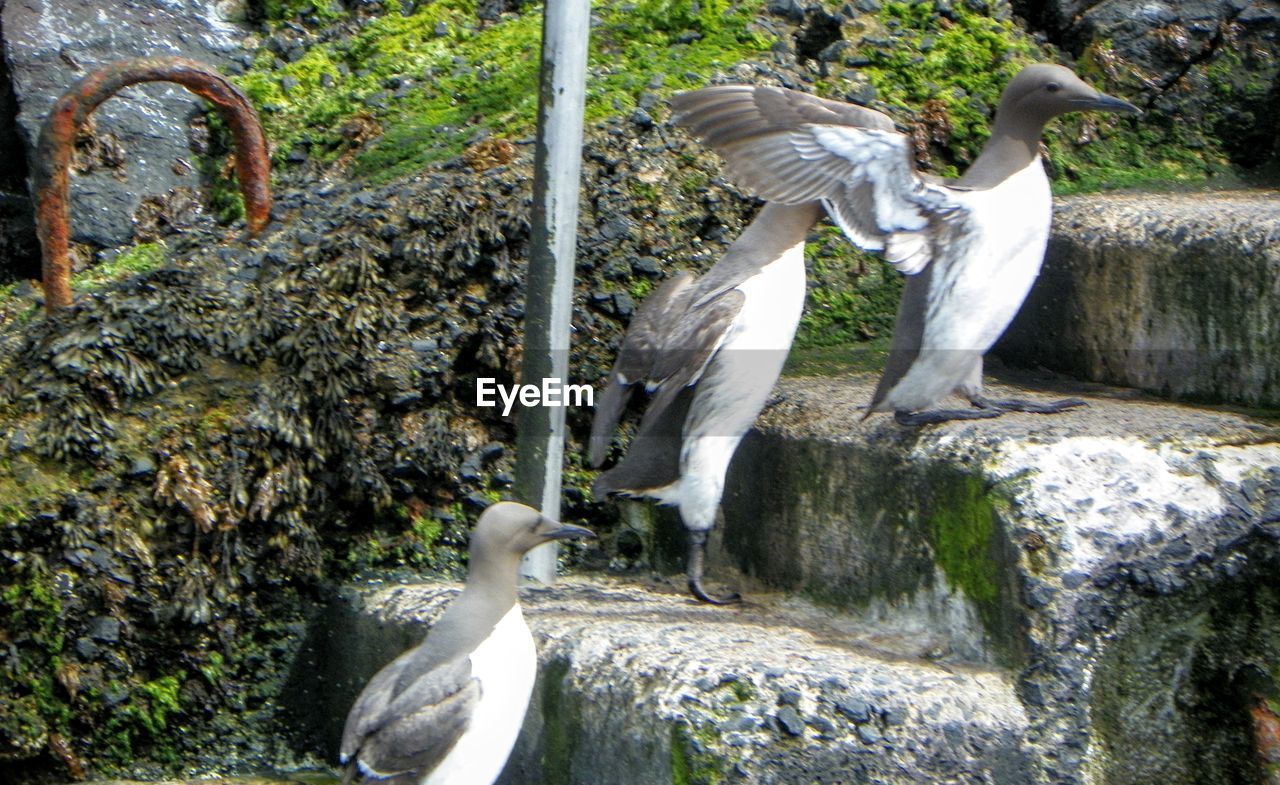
640, 686
1178, 294
1119, 559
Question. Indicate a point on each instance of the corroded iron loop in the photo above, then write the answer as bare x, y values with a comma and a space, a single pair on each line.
57, 141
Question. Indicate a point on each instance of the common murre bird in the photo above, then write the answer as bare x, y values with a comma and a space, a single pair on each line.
448, 711
710, 349
971, 248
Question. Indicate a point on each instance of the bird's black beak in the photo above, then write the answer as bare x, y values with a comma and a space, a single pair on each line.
554, 530
1106, 103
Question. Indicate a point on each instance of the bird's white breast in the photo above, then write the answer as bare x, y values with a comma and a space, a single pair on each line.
506, 664
983, 267
990, 262
737, 383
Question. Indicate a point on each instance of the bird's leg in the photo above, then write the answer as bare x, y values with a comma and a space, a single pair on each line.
693, 568
1019, 405
935, 416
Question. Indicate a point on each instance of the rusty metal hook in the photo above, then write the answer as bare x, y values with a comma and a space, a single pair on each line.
57, 141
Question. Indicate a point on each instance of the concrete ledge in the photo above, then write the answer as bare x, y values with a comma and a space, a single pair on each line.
1178, 294
641, 687
1058, 546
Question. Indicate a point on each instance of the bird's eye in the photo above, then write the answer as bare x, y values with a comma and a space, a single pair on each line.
1053, 87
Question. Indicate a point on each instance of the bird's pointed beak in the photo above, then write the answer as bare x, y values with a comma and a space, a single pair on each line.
1107, 103
554, 530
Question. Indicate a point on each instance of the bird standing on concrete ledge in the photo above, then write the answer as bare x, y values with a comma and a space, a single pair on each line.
448, 711
971, 248
710, 350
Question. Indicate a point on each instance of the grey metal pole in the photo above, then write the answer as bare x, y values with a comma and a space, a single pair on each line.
566, 25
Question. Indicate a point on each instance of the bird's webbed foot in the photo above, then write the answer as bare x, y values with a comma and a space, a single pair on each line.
935, 416
1020, 405
694, 566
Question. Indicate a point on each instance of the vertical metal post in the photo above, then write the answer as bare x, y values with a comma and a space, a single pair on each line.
566, 25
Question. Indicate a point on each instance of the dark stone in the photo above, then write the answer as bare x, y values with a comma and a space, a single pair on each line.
298, 154
741, 724
470, 471
19, 440
862, 94
86, 648
789, 721
115, 694
855, 709
646, 265
616, 228
789, 698
142, 466
895, 715
834, 52
868, 734
617, 270
1037, 594
1074, 579
406, 400
105, 629
790, 9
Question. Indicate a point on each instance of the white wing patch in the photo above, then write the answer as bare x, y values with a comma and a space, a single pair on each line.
908, 252
880, 184
789, 147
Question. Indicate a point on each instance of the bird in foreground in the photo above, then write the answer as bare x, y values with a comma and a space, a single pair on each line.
447, 712
971, 247
709, 349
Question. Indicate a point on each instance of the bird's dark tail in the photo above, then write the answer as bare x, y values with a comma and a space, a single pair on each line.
349, 772
694, 566
613, 399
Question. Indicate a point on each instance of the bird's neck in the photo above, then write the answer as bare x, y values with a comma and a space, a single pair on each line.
779, 227
491, 582
1013, 145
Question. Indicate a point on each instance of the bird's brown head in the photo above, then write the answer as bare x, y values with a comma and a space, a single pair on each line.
509, 529
1043, 91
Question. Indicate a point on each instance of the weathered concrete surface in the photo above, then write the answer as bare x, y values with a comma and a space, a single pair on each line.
1178, 294
142, 144
1120, 558
639, 685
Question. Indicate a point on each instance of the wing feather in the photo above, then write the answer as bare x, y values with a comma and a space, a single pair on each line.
789, 147
389, 733
692, 340
640, 347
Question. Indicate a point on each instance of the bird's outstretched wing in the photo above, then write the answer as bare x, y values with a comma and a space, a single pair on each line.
689, 338
392, 731
789, 147
641, 346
